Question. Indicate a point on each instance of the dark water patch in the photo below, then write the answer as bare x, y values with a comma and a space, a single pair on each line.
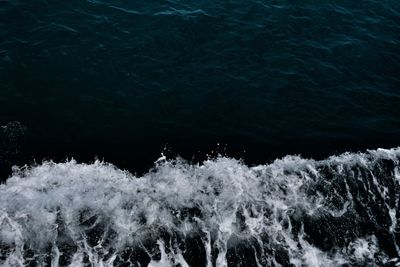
122, 80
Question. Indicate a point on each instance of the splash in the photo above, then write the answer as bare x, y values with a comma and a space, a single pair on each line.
294, 212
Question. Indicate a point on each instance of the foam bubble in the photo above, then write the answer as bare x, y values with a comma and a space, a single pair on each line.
297, 211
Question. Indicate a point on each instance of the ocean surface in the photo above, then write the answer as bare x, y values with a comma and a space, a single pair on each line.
199, 133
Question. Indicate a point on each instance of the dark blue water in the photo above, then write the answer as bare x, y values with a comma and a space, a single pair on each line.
123, 81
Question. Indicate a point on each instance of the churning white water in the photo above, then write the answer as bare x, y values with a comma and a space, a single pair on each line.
294, 212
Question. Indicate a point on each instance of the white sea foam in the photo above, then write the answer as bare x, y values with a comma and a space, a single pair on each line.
71, 213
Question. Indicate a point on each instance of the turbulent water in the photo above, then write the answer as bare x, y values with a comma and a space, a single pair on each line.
340, 211
121, 80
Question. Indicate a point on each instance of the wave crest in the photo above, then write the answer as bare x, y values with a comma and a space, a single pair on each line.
295, 211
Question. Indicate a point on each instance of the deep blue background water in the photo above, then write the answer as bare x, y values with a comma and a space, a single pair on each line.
121, 80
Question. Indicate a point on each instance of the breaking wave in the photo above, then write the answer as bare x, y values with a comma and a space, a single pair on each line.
294, 212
